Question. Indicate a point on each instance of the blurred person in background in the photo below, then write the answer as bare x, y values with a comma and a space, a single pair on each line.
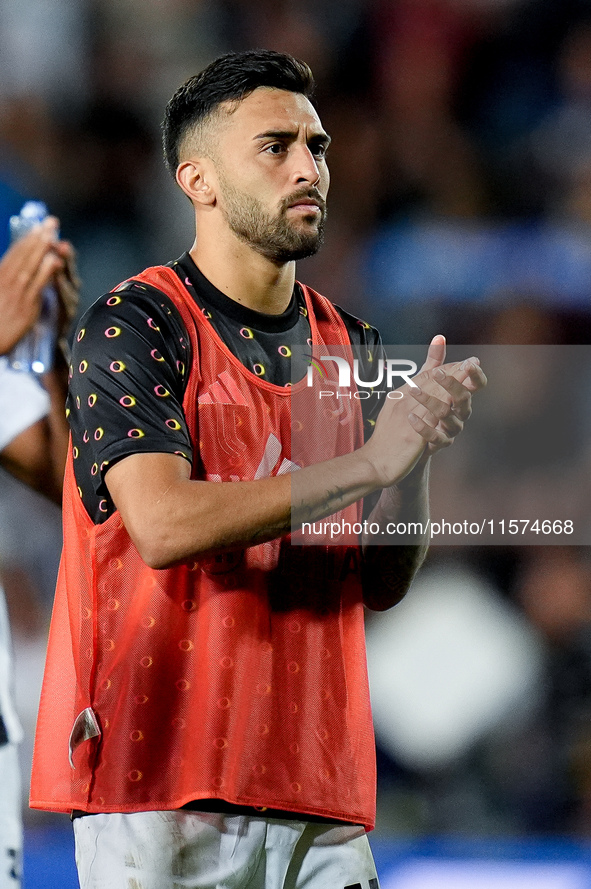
33, 445
223, 733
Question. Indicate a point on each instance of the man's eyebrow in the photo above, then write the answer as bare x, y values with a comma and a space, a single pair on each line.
322, 138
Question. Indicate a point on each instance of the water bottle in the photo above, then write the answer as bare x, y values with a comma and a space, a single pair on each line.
34, 353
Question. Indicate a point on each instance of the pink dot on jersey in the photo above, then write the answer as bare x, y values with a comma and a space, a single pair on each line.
247, 333
83, 367
135, 433
102, 506
285, 351
92, 400
156, 355
127, 401
81, 333
94, 469
117, 367
111, 332
86, 437
161, 392
152, 325
99, 434
173, 424
188, 283
113, 300
259, 369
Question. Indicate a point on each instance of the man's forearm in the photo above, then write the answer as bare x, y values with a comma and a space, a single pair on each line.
388, 569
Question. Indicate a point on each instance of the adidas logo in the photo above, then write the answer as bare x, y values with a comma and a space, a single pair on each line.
223, 391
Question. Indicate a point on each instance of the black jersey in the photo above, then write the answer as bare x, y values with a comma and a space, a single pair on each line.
144, 413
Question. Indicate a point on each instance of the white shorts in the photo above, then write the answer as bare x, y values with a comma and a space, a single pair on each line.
200, 850
11, 829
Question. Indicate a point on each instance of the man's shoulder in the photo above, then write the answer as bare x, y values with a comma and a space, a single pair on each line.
360, 332
134, 298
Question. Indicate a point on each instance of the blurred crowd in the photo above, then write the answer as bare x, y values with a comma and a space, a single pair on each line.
460, 203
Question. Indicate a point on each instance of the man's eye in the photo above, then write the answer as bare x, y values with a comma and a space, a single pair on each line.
319, 150
275, 148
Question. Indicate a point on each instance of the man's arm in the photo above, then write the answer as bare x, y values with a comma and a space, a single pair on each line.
171, 517
388, 570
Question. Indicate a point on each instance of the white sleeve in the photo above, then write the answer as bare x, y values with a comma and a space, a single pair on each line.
23, 401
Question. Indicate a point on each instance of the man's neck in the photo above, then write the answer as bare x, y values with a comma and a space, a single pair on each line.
244, 275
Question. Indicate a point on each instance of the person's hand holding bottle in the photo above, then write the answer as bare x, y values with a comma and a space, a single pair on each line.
28, 266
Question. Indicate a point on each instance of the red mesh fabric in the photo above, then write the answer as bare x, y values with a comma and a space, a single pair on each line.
240, 677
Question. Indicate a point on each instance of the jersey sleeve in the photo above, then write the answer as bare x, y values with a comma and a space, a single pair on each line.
130, 364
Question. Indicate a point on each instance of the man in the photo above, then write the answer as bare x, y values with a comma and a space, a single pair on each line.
33, 444
205, 712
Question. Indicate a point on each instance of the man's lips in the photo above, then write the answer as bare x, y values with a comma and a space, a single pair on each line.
306, 205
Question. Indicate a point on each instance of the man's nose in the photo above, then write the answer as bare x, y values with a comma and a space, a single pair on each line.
305, 167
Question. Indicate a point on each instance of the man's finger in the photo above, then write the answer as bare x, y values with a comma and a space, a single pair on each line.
435, 353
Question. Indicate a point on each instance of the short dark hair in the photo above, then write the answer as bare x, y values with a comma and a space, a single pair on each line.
231, 77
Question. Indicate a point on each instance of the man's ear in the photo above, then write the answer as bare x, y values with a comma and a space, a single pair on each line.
195, 180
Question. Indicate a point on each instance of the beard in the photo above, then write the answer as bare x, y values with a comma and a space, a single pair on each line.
276, 237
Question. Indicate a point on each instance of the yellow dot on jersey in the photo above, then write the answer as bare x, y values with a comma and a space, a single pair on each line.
80, 334
161, 392
99, 434
156, 355
285, 351
111, 332
94, 469
117, 367
68, 412
247, 333
135, 433
259, 370
75, 453
127, 401
173, 424
83, 367
92, 400
152, 325
113, 300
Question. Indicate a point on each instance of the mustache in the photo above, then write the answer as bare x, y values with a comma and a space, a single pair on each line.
311, 193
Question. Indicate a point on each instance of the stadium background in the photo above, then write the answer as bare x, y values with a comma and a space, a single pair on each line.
460, 203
